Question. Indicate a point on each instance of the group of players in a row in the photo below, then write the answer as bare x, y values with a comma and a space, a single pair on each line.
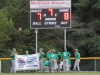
52, 60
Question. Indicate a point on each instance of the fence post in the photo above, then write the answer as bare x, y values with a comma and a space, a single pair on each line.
0, 66
95, 64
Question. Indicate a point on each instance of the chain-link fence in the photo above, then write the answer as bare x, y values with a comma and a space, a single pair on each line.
5, 66
88, 65
85, 65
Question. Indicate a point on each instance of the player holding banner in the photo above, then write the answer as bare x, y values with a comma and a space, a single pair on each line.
77, 61
13, 53
26, 54
41, 59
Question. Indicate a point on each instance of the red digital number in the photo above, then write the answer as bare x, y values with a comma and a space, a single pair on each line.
66, 16
40, 16
51, 11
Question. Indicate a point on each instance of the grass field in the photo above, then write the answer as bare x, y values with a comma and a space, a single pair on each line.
80, 73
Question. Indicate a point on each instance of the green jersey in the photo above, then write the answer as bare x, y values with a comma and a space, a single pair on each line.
53, 56
46, 63
41, 55
65, 55
48, 55
59, 57
69, 61
13, 56
77, 55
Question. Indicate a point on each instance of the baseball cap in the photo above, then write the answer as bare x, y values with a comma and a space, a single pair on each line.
53, 50
13, 48
76, 49
41, 49
59, 53
26, 51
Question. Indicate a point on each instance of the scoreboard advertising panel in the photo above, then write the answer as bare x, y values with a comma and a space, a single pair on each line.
50, 14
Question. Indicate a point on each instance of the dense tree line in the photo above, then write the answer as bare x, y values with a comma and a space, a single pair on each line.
84, 34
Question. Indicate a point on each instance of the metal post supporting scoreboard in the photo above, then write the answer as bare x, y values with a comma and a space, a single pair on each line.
36, 32
65, 38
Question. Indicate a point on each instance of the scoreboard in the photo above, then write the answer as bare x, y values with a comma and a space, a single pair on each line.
50, 14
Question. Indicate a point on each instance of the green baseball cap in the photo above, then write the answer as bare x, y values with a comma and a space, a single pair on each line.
13, 48
26, 51
41, 49
65, 49
53, 50
76, 49
59, 53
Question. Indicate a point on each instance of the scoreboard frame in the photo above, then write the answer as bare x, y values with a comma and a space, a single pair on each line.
36, 6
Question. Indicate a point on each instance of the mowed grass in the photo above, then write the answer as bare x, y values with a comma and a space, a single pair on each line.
73, 73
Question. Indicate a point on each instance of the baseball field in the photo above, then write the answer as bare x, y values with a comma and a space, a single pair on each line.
74, 73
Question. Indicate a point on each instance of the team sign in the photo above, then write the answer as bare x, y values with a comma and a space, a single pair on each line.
50, 14
29, 62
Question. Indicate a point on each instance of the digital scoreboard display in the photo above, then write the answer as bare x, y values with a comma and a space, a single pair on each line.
44, 15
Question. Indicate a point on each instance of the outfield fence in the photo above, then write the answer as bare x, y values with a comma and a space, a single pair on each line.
86, 64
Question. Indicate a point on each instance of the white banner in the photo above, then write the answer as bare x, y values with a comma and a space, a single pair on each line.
51, 4
29, 62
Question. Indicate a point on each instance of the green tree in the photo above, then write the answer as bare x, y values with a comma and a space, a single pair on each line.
85, 36
6, 29
19, 12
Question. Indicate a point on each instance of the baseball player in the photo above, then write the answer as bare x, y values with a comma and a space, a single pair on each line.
77, 61
41, 59
46, 64
65, 56
26, 54
53, 60
48, 54
59, 59
13, 53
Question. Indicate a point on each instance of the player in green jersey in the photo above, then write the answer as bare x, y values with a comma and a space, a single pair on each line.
53, 60
13, 53
26, 54
65, 56
59, 61
77, 61
46, 64
48, 54
41, 59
